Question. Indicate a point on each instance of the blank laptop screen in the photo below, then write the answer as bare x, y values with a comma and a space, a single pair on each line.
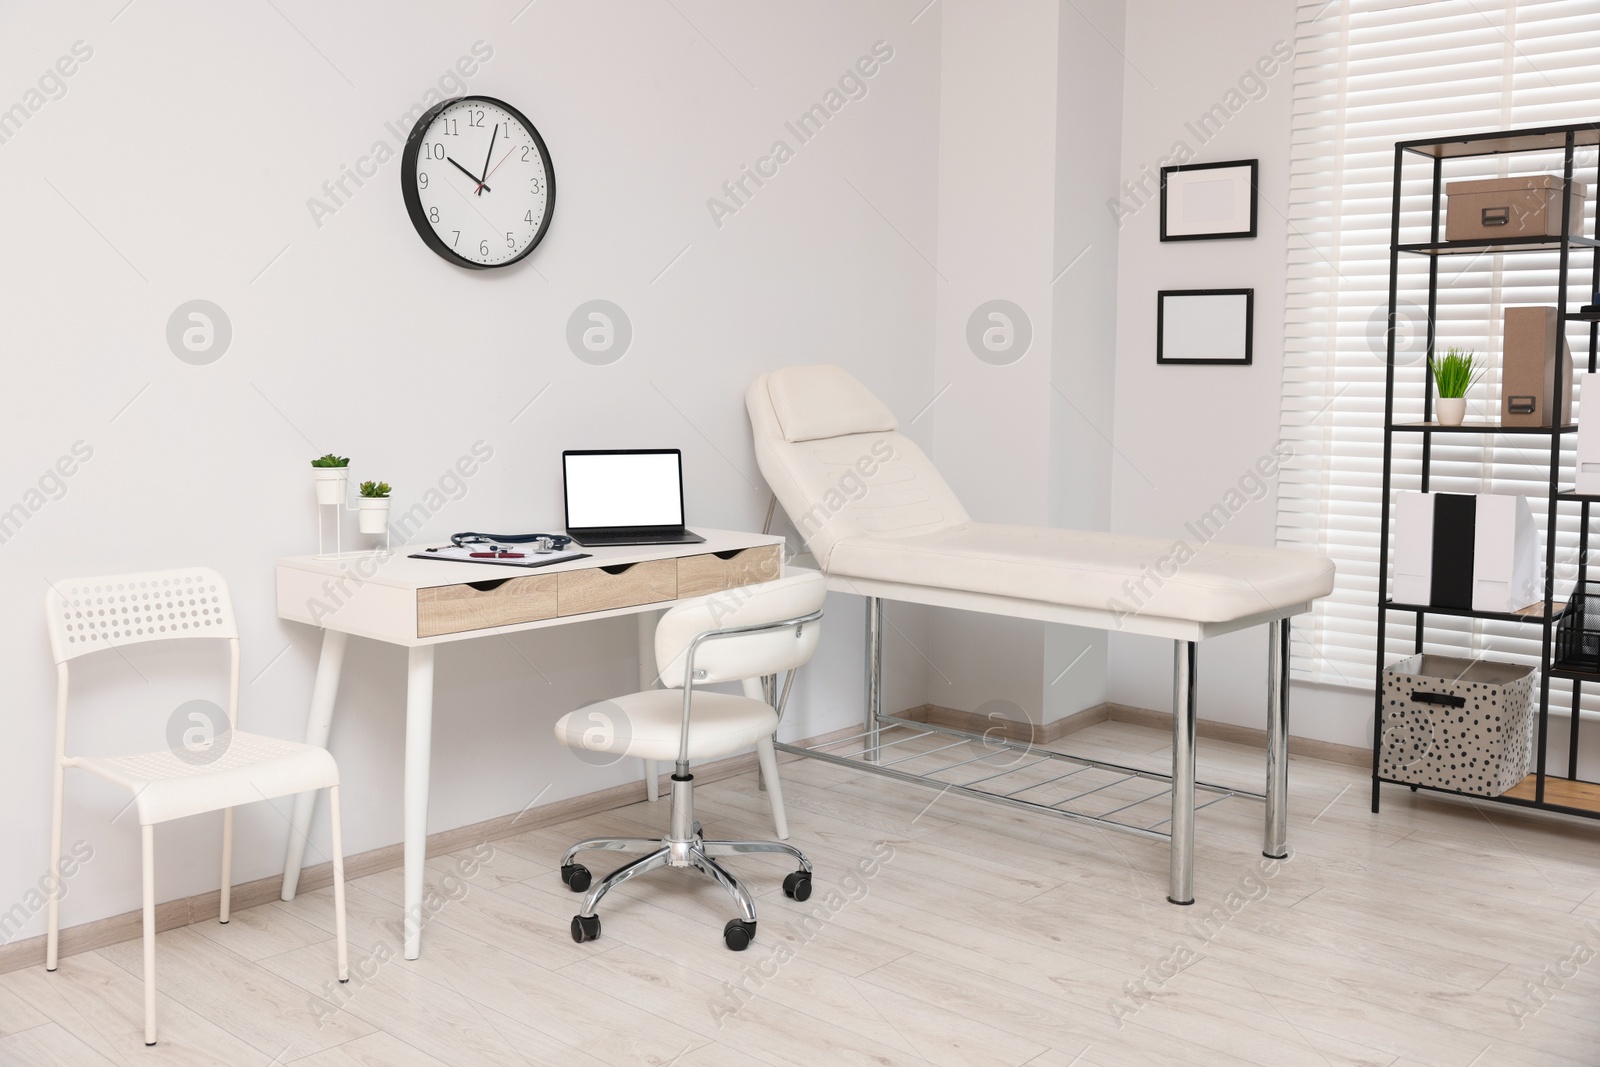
633, 489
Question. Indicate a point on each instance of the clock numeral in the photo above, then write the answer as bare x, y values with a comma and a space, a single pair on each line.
525, 150
483, 248
434, 149
511, 241
534, 185
457, 239
448, 127
475, 118
422, 180
528, 218
433, 214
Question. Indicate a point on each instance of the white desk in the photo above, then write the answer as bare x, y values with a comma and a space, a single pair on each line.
420, 604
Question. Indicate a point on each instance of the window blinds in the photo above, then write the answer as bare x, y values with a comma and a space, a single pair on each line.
1370, 73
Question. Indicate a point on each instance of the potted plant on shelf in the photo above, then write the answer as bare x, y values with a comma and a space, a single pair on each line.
332, 474
374, 505
1453, 375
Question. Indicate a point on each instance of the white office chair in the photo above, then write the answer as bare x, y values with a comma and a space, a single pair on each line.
743, 633
89, 615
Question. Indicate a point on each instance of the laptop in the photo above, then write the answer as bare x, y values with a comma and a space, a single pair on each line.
625, 496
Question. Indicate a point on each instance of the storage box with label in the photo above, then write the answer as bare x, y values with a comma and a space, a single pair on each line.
1459, 724
1536, 358
1529, 206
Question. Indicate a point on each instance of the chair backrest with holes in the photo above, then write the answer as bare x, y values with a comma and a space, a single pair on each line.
731, 659
92, 614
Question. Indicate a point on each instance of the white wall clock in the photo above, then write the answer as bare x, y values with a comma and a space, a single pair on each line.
478, 182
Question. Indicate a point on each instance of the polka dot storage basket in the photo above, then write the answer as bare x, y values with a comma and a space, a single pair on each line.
1457, 724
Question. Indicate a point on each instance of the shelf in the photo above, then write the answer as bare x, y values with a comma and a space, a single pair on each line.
1571, 497
1583, 316
1500, 142
1531, 613
1562, 792
1572, 675
1476, 427
1496, 246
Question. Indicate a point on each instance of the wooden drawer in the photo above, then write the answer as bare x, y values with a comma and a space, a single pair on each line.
603, 588
715, 571
453, 609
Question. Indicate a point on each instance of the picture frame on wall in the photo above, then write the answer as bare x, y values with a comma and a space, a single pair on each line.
1205, 326
1209, 201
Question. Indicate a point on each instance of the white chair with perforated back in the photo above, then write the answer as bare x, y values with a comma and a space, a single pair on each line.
748, 632
93, 615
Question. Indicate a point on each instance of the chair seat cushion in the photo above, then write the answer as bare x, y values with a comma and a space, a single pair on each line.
647, 725
236, 768
1119, 573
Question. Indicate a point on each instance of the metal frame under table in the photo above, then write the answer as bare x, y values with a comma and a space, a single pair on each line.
1181, 783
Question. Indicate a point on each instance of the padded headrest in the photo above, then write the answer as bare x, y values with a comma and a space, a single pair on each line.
824, 400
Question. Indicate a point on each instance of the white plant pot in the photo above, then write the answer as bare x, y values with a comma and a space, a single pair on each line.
374, 515
332, 483
1452, 409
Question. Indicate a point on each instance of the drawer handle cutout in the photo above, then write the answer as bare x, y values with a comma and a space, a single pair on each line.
727, 555
1445, 699
489, 586
618, 568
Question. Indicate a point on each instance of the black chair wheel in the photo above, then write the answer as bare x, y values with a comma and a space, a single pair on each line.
585, 928
798, 885
738, 934
576, 876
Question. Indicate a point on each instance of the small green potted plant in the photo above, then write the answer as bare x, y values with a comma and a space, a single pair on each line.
1453, 375
332, 474
374, 507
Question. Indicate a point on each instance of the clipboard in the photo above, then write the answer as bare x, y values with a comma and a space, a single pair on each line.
463, 554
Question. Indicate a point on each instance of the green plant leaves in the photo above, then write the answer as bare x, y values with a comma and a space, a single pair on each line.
331, 460
1457, 372
373, 490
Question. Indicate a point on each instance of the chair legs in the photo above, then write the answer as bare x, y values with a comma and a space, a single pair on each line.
227, 864
684, 846
336, 835
149, 880
53, 920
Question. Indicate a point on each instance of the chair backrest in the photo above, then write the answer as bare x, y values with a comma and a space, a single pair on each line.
741, 656
92, 614
831, 452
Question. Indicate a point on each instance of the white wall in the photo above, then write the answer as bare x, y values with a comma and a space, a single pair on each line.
178, 165
1188, 436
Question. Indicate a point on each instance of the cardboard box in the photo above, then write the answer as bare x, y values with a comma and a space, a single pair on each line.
1529, 206
1530, 369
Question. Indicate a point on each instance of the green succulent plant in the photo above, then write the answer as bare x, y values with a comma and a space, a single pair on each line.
374, 490
331, 460
1457, 372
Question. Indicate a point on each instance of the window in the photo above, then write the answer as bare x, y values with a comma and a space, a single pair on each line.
1370, 73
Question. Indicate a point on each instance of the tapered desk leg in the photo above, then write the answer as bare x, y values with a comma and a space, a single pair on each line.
1275, 843
318, 725
419, 743
874, 676
1183, 724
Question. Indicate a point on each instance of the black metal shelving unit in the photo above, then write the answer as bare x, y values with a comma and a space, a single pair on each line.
1540, 789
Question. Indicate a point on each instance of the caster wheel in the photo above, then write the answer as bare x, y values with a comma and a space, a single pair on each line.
738, 934
585, 928
576, 876
798, 885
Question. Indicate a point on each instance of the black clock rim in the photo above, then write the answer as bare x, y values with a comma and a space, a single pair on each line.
419, 218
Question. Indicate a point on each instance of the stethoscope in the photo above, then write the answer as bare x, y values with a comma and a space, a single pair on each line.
542, 543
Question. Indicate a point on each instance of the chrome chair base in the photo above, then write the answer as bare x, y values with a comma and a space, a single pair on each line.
690, 850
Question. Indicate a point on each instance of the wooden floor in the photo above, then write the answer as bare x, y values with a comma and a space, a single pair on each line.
942, 931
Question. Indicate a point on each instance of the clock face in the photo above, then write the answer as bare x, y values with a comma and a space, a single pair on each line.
478, 182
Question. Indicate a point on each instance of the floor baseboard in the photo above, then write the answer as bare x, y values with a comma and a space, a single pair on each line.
115, 929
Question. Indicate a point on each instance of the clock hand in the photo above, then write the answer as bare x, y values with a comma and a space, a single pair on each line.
503, 158
488, 156
464, 170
